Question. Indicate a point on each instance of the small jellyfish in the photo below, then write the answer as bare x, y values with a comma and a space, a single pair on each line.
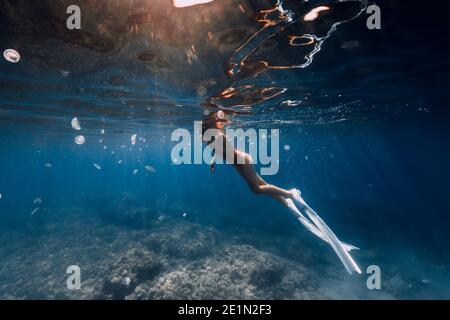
65, 73
103, 131
135, 172
133, 139
201, 91
348, 45
80, 140
48, 165
150, 169
184, 215
37, 201
1, 196
11, 55
287, 147
35, 210
76, 124
97, 166
120, 162
291, 103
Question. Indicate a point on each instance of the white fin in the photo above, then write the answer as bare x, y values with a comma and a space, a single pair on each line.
308, 224
311, 226
348, 246
338, 247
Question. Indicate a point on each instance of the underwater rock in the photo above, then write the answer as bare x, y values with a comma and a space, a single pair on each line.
236, 272
183, 241
180, 260
135, 267
401, 285
116, 288
263, 278
127, 210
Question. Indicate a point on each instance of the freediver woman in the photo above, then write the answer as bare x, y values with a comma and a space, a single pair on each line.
213, 130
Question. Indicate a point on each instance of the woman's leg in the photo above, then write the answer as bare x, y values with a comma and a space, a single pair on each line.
274, 191
258, 185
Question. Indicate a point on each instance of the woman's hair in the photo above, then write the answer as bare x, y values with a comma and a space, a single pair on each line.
213, 120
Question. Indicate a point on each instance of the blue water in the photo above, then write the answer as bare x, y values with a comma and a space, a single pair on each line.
368, 147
